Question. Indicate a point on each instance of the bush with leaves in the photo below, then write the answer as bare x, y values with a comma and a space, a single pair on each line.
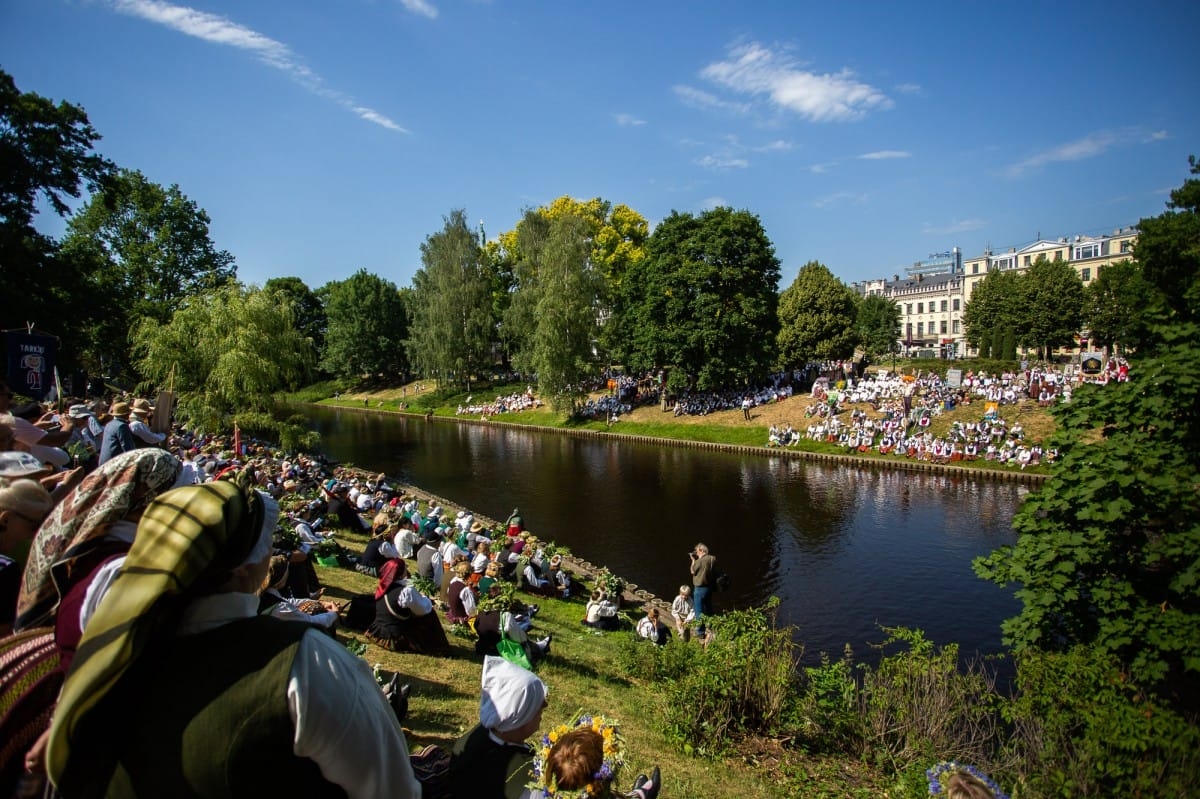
1081, 728
917, 706
828, 709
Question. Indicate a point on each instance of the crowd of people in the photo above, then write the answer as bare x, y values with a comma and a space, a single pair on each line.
122, 572
517, 401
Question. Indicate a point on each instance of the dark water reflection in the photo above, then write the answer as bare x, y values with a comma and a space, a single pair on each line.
845, 549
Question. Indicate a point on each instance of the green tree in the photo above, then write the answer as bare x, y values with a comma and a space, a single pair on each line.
145, 250
1051, 307
705, 300
367, 327
994, 304
1108, 550
1116, 305
1168, 249
227, 352
817, 316
878, 325
46, 154
562, 323
452, 328
308, 311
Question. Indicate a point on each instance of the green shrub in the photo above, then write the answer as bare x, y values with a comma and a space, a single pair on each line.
917, 707
743, 681
827, 712
1080, 728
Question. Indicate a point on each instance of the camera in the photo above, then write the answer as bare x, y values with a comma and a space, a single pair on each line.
691, 553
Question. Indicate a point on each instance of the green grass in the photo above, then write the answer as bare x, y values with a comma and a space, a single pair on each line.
579, 675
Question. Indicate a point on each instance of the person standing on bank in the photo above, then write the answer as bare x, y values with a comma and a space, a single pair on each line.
704, 575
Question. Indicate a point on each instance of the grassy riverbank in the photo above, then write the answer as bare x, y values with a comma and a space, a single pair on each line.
582, 676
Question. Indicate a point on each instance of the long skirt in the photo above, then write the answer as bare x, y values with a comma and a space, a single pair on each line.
421, 635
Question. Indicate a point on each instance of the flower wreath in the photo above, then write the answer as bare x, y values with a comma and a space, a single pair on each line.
543, 784
943, 771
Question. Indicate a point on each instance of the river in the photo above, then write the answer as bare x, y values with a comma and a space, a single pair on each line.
846, 549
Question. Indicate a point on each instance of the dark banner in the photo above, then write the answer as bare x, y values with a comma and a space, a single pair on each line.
31, 364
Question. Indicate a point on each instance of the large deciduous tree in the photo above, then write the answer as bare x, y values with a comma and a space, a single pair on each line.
367, 327
704, 301
308, 312
1116, 305
46, 153
145, 250
452, 327
558, 309
1168, 249
817, 316
878, 325
1108, 550
227, 352
1051, 306
994, 307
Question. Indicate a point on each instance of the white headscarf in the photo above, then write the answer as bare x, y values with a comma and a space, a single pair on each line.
266, 536
512, 696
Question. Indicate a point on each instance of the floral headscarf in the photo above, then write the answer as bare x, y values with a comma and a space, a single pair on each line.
120, 488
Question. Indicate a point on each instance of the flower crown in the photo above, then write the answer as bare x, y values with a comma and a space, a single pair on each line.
545, 785
943, 771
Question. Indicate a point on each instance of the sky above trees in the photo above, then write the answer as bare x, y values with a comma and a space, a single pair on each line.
323, 139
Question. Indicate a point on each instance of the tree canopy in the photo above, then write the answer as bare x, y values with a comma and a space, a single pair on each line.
226, 352
452, 327
1116, 306
704, 301
817, 315
1050, 305
994, 306
308, 312
367, 327
877, 324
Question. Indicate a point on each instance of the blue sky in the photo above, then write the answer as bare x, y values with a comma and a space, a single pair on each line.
324, 137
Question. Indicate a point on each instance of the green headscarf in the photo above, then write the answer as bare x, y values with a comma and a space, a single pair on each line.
188, 539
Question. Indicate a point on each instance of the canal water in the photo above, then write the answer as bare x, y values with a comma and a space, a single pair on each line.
846, 549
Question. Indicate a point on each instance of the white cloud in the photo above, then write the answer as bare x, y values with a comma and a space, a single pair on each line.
821, 169
722, 162
219, 30
1158, 135
420, 7
908, 88
709, 203
628, 120
839, 197
1089, 146
703, 100
755, 70
777, 146
882, 155
961, 226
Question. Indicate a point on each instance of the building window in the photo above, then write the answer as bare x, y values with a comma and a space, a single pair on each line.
943, 328
956, 303
1027, 260
974, 269
1086, 274
954, 326
944, 304
1083, 251
1058, 255
908, 308
920, 307
1127, 246
920, 329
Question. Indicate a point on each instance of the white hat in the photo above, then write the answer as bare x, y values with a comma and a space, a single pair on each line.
512, 696
20, 464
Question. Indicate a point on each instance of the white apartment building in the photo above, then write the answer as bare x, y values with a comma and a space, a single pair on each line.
932, 293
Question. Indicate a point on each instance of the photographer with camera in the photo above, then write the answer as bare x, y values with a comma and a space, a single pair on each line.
704, 575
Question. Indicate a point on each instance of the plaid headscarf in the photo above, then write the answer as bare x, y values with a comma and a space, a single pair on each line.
189, 540
117, 490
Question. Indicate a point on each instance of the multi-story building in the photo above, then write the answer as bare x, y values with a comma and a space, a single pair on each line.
933, 292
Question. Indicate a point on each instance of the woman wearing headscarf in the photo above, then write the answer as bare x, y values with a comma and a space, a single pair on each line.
284, 711
405, 620
460, 595
492, 761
